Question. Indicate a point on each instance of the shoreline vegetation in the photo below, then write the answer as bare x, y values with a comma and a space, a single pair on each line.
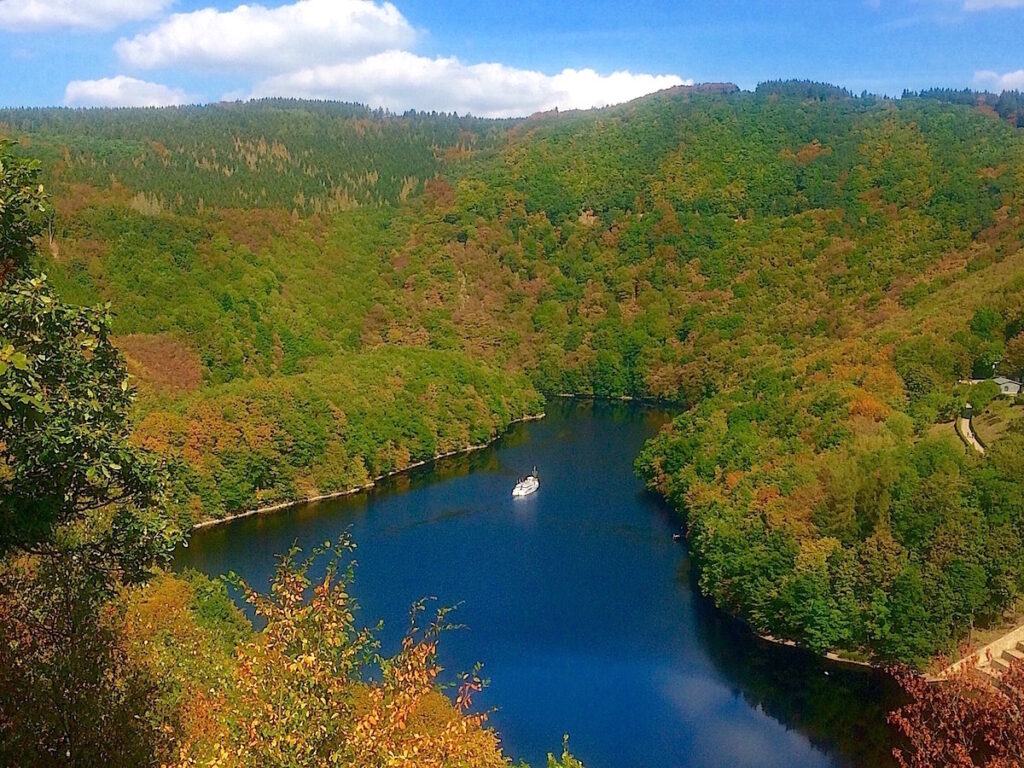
372, 483
810, 272
285, 505
831, 656
798, 301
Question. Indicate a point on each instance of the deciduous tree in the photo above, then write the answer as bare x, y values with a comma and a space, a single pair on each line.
965, 721
70, 478
24, 208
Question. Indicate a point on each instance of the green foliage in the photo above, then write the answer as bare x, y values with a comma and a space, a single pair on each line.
314, 157
68, 694
23, 211
566, 760
804, 89
1009, 105
984, 393
353, 418
69, 471
215, 612
807, 273
98, 670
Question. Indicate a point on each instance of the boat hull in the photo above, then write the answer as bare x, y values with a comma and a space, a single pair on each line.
525, 488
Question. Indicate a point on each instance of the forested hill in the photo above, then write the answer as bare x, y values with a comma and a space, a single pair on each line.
310, 157
805, 273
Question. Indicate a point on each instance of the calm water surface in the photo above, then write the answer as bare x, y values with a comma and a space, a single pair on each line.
579, 604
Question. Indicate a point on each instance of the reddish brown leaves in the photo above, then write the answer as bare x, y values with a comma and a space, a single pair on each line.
963, 722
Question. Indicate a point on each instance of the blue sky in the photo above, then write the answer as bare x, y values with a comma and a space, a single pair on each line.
490, 58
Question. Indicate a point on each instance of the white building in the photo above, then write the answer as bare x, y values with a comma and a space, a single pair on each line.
1008, 386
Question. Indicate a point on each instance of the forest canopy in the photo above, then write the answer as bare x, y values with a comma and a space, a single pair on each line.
109, 659
311, 294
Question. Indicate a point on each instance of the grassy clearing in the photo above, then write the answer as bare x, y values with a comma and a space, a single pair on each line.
946, 432
993, 421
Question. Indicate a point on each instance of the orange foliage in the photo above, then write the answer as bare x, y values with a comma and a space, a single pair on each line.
162, 362
663, 380
800, 505
255, 228
77, 197
807, 153
963, 722
765, 495
812, 151
732, 479
439, 194
160, 430
883, 381
297, 697
870, 407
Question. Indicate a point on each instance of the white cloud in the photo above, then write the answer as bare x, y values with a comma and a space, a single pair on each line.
26, 15
987, 5
122, 91
399, 80
352, 50
1009, 81
254, 37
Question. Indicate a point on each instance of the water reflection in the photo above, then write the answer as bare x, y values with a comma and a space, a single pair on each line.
839, 709
579, 603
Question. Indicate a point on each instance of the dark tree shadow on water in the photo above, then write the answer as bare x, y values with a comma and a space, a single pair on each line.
841, 710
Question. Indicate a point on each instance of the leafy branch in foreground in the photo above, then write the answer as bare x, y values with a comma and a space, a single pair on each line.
69, 474
78, 514
313, 689
24, 208
78, 520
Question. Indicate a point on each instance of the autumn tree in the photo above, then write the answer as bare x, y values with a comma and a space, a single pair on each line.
70, 478
1015, 355
78, 514
965, 721
312, 688
68, 694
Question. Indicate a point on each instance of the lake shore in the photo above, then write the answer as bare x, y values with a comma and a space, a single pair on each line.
541, 558
283, 505
835, 658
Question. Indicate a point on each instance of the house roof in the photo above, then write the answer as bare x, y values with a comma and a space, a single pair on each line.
1001, 380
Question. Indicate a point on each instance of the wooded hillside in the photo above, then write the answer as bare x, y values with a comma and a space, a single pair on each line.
311, 294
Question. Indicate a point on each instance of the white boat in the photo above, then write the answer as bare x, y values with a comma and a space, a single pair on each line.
526, 485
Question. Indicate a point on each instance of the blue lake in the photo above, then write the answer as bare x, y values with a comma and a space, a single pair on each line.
579, 604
